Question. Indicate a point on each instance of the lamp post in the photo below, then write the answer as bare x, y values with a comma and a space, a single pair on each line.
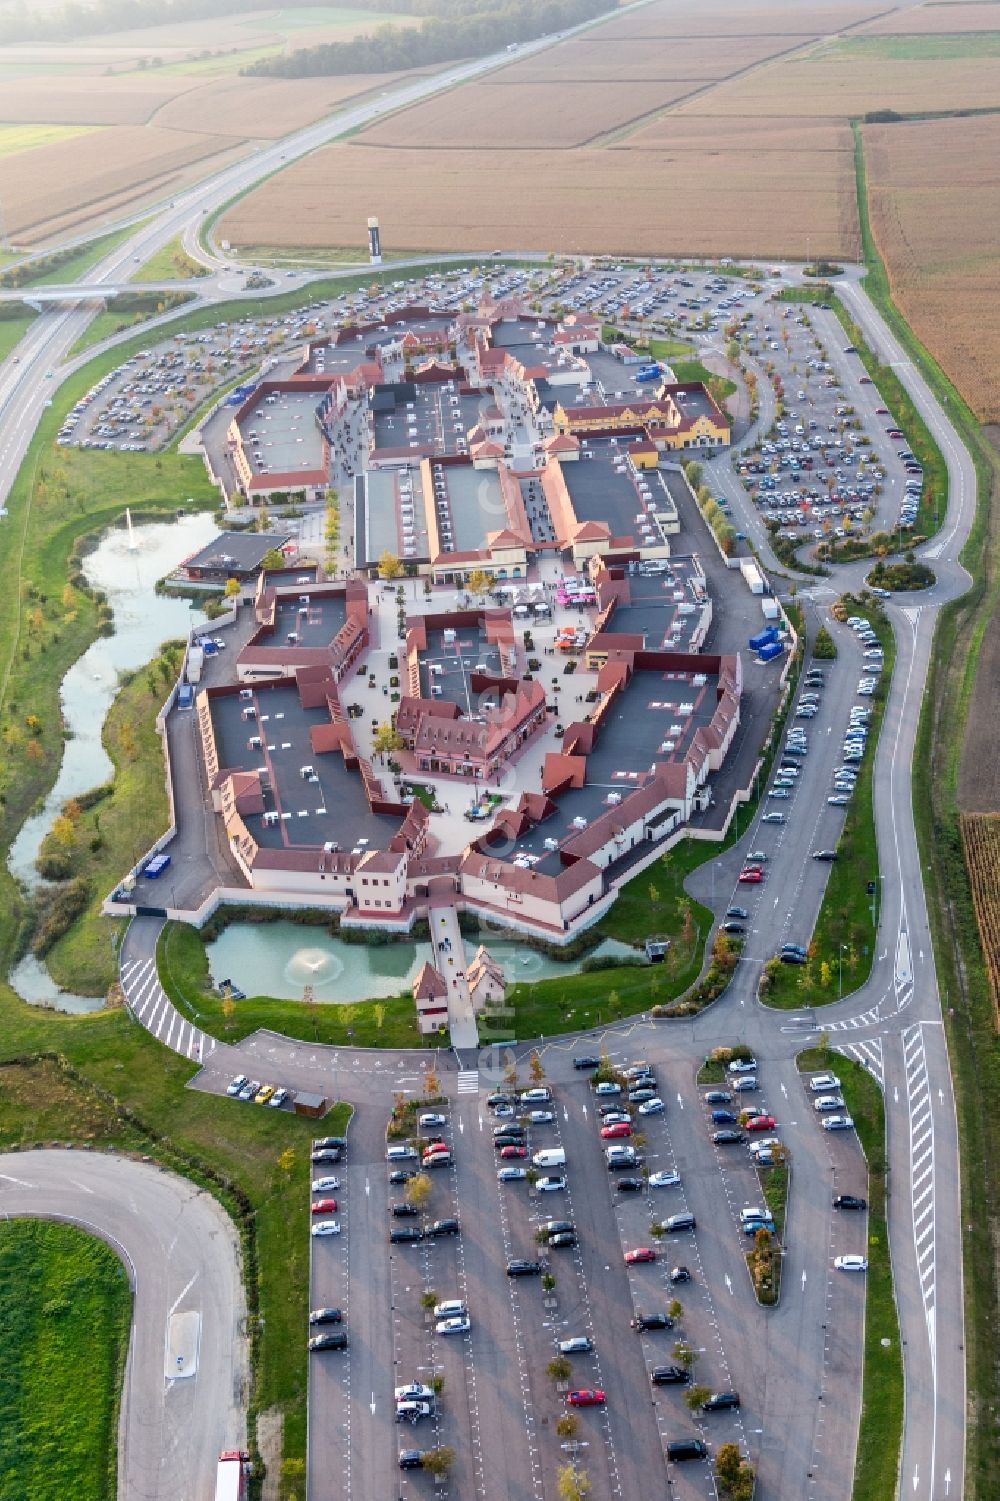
840, 986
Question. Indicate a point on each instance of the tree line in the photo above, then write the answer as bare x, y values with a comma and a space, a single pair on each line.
452, 29
25, 23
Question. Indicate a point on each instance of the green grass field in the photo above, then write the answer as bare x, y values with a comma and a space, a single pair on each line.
917, 47
130, 310
65, 1312
17, 138
882, 1398
170, 263
78, 264
842, 947
12, 331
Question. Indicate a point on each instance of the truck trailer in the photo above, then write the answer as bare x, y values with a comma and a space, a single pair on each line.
231, 1476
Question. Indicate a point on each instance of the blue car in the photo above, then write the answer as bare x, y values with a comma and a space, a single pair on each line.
723, 1117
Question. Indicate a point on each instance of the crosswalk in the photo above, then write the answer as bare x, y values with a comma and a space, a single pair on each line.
868, 1054
468, 1081
918, 1091
148, 1003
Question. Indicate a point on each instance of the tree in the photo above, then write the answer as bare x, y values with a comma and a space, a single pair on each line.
536, 1068
273, 558
559, 1368
439, 1461
232, 588
685, 1354
572, 1483
389, 566
568, 1425
675, 1309
478, 582
386, 739
63, 831
696, 1395
418, 1190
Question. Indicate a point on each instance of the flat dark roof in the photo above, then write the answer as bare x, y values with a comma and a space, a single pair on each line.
240, 552
456, 662
334, 808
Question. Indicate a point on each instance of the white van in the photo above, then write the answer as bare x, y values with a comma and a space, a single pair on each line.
539, 1096
550, 1157
400, 1154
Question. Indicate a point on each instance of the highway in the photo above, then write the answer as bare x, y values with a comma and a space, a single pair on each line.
186, 1375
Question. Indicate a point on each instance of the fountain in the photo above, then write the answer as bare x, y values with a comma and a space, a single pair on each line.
314, 967
132, 544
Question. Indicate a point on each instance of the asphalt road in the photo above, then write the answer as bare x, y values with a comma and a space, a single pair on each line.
185, 1383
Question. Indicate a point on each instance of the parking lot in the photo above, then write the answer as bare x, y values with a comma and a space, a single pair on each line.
411, 1382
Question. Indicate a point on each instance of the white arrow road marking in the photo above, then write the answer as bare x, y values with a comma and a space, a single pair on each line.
461, 1127
784, 1091
368, 1189
680, 1102
584, 1110
947, 1481
565, 1114
729, 1284
480, 1123
372, 1404
916, 1476
895, 1094
803, 1279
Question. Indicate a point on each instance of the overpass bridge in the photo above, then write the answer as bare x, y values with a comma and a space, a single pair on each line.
80, 291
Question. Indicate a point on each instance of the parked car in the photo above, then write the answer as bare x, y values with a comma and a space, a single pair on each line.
639, 1256
851, 1263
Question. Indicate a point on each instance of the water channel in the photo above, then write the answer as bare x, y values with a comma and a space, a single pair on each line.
126, 569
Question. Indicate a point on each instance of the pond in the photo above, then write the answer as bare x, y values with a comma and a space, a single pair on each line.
279, 959
126, 569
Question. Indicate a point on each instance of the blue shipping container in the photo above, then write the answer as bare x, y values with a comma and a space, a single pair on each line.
648, 372
185, 696
156, 866
762, 638
771, 650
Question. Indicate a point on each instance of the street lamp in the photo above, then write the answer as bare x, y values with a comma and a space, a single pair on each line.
840, 986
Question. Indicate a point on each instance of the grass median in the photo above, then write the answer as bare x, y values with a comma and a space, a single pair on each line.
881, 1431
59, 1392
842, 947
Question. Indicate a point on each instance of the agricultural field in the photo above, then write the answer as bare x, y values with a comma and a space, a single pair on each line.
431, 199
981, 843
936, 227
171, 104
942, 16
645, 59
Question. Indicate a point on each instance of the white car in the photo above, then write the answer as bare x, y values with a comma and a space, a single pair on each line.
829, 1102
742, 1066
550, 1185
278, 1099
459, 1325
451, 1308
326, 1227
325, 1185
851, 1263
431, 1118
541, 1117
819, 1083
415, 1392
664, 1180
652, 1107
511, 1174
838, 1123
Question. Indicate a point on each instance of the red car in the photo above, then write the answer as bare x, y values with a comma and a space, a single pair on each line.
881, 411
620, 1128
509, 1152
323, 1206
761, 1123
894, 432
640, 1254
751, 877
586, 1398
865, 380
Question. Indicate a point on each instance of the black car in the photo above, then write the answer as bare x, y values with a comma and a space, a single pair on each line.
791, 958
680, 1274
518, 1268
586, 1062
737, 912
411, 1459
405, 1232
630, 1185
849, 1201
670, 1375
340, 1142
508, 1139
828, 855
727, 1136
443, 1227
335, 1341
652, 1321
556, 1227
402, 1174
733, 927
517, 1132
403, 1211
563, 1239
500, 1099
326, 1316
326, 1154
719, 1401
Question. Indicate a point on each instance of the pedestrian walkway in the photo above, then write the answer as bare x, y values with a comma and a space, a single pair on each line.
468, 1081
148, 1003
449, 960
